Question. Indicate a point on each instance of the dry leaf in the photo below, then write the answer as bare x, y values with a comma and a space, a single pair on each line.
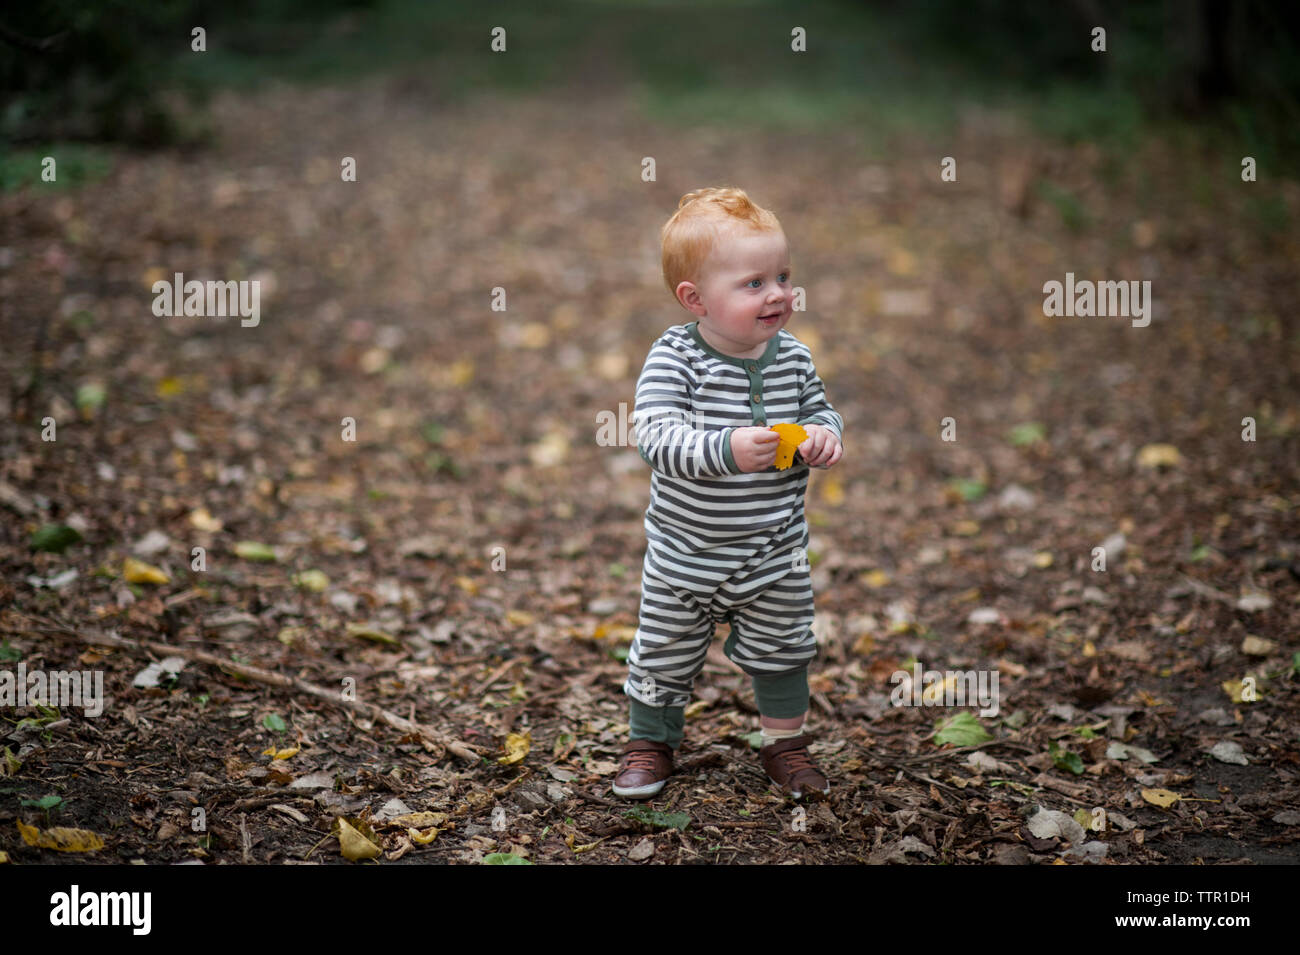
517, 746
418, 820
1160, 797
1159, 455
352, 843
201, 520
63, 840
374, 634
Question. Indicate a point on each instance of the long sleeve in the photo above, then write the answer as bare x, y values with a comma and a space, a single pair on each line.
664, 421
815, 409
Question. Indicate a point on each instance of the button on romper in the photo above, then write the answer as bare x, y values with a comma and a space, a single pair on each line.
721, 544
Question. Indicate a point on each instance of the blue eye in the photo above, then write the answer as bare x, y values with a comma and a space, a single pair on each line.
752, 281
785, 276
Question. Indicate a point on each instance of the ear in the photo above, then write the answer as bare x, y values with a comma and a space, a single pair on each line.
689, 297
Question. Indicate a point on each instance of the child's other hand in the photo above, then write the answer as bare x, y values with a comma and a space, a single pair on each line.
754, 448
822, 449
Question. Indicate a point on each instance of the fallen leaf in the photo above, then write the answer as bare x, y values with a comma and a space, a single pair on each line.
1160, 797
419, 820
1226, 751
961, 730
517, 746
354, 843
313, 581
510, 858
138, 572
1257, 646
367, 632
54, 538
1159, 455
62, 840
1053, 824
252, 550
201, 520
875, 579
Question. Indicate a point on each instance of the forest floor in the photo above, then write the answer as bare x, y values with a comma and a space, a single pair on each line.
471, 561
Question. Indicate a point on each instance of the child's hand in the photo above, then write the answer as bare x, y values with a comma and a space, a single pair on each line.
754, 448
822, 449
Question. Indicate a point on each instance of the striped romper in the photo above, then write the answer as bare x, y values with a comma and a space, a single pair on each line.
722, 544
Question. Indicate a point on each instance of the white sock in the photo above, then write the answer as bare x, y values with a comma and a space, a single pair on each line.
769, 736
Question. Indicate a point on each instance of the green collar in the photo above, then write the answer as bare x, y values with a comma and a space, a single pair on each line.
768, 356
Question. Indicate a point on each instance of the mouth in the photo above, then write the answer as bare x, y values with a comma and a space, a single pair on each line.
771, 319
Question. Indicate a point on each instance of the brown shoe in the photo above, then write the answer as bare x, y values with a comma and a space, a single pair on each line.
789, 766
643, 770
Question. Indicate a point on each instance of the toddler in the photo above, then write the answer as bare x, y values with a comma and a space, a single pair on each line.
725, 532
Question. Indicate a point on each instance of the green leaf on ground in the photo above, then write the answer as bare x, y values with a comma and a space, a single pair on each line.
961, 730
1064, 759
54, 538
505, 858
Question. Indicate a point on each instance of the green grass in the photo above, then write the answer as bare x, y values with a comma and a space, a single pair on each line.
75, 164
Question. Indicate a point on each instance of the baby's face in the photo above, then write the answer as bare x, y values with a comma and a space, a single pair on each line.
744, 296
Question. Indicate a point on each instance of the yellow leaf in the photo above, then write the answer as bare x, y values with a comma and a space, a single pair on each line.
568, 841
831, 490
520, 618
936, 693
201, 520
792, 435
418, 820
461, 373
1159, 455
4, 857
875, 579
312, 580
864, 645
281, 753
900, 261
170, 387
1160, 797
1043, 559
63, 840
1237, 689
695, 709
138, 572
966, 528
517, 746
423, 838
534, 335
1089, 648
352, 843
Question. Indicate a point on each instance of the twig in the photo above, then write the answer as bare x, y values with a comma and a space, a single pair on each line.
436, 739
1205, 590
